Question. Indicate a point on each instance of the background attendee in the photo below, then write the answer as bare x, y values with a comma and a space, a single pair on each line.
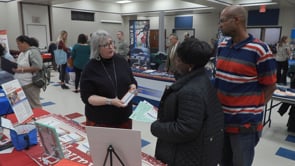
2, 50
4, 75
190, 121
105, 80
186, 36
34, 43
173, 44
282, 57
61, 44
80, 55
214, 44
6, 53
29, 61
245, 81
52, 46
122, 47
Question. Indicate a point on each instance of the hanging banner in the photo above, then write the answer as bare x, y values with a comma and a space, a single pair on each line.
4, 39
139, 40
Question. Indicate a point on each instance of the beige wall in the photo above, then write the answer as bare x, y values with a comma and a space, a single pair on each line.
287, 20
205, 24
74, 28
36, 23
3, 10
10, 20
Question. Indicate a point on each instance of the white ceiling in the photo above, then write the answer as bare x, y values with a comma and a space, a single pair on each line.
53, 2
282, 3
210, 3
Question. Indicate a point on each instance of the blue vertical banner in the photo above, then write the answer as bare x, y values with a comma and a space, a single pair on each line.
293, 34
139, 42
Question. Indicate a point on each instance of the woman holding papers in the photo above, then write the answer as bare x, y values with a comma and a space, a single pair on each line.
104, 81
190, 120
29, 61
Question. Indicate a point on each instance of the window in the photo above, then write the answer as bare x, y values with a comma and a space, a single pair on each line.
82, 16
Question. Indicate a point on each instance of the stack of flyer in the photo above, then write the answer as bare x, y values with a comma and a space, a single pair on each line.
144, 112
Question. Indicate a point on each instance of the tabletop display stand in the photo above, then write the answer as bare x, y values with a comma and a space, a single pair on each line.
126, 142
53, 151
110, 153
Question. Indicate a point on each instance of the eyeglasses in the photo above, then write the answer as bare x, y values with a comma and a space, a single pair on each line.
108, 45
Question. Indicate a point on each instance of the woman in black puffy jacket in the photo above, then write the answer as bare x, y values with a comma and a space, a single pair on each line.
190, 120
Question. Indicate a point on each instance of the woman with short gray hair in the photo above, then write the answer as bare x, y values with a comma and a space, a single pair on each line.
105, 80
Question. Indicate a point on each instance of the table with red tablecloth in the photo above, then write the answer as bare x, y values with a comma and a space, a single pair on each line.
47, 57
32, 156
19, 157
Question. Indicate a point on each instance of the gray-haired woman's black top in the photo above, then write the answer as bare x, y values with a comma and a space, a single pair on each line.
98, 78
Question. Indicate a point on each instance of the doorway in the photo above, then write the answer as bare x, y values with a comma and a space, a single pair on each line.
154, 40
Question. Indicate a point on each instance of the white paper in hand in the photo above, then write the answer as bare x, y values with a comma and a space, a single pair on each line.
144, 112
128, 97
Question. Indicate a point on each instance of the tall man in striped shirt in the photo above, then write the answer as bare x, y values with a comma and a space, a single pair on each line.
245, 80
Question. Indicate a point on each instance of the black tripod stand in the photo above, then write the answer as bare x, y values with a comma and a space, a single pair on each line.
110, 152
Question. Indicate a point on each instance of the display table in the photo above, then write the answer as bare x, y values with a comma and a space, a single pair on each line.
5, 107
47, 57
75, 150
281, 95
151, 85
17, 157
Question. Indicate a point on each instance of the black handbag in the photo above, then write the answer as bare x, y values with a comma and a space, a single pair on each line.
42, 78
38, 79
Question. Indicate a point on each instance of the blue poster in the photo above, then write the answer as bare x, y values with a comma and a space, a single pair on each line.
139, 40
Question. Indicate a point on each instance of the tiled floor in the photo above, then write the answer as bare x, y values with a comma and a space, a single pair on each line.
276, 146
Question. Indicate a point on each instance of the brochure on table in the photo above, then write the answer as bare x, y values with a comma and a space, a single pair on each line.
18, 101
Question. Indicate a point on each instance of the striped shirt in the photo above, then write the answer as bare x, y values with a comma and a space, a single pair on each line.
242, 72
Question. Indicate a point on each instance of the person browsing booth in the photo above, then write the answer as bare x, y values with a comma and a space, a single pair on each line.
189, 128
245, 81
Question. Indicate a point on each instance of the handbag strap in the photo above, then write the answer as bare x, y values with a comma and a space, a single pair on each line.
27, 139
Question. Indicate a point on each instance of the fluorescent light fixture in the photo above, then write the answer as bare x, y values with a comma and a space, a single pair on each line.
220, 2
188, 9
111, 21
258, 4
252, 1
243, 2
124, 1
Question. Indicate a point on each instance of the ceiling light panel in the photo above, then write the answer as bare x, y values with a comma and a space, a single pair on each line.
124, 1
